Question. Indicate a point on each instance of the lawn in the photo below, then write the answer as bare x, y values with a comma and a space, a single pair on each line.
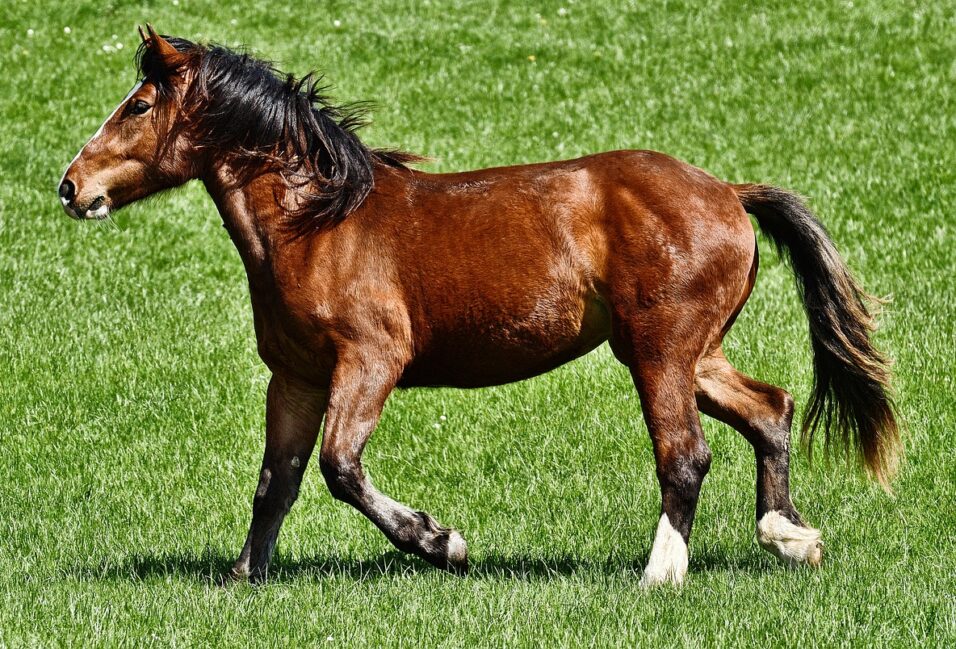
131, 395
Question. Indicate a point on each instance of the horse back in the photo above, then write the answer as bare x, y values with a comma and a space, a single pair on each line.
499, 274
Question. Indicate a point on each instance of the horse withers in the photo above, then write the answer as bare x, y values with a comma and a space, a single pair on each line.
366, 275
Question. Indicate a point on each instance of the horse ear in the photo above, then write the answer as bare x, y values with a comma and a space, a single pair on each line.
169, 55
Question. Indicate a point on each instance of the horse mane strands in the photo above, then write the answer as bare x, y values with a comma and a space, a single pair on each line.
247, 110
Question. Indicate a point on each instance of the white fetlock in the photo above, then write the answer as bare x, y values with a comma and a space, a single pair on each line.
668, 562
792, 544
457, 552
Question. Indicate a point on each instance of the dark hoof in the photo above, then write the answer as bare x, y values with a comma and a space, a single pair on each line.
238, 575
230, 577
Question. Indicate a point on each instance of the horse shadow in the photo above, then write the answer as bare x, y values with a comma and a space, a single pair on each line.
208, 565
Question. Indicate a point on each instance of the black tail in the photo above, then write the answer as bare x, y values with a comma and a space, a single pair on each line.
850, 376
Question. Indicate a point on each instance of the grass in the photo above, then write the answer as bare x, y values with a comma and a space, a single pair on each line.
131, 396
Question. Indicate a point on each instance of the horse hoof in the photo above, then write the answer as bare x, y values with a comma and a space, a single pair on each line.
792, 544
228, 578
456, 560
653, 580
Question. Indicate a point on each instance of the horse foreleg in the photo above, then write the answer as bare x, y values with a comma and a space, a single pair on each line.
293, 419
358, 393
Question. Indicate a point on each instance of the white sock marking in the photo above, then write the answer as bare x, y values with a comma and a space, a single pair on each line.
457, 549
668, 562
793, 544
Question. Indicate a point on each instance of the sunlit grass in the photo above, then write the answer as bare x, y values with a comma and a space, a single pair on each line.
131, 396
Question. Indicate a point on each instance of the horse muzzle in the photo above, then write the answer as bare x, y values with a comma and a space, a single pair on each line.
96, 208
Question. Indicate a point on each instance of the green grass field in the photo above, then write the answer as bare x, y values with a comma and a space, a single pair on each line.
131, 395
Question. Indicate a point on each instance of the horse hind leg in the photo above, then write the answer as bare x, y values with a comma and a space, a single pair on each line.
662, 368
763, 414
683, 459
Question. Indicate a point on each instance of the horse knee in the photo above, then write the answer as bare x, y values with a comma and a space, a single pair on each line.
342, 473
683, 471
277, 488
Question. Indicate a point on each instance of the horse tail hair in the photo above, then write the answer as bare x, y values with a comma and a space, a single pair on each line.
851, 397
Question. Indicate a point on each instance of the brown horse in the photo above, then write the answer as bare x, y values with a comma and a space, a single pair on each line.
367, 275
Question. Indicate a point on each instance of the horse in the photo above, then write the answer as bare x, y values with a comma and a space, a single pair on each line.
366, 275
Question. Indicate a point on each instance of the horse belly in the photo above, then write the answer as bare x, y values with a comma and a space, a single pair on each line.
507, 349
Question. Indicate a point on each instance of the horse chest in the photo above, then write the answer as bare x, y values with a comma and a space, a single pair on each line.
286, 342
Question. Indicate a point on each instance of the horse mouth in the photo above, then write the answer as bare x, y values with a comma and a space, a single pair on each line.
98, 209
97, 203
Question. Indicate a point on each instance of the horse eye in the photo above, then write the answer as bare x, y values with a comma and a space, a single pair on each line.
139, 107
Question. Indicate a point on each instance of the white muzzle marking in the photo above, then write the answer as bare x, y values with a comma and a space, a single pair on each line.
100, 212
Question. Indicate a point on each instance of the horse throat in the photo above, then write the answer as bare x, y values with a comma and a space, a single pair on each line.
250, 215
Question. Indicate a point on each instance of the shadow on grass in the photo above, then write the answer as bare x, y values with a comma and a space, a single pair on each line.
207, 566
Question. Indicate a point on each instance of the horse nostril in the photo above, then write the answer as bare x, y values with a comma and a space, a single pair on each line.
67, 191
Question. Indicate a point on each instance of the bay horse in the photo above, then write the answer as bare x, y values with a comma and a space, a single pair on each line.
367, 275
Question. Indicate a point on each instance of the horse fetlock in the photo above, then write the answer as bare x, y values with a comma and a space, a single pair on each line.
793, 544
444, 548
668, 561
457, 553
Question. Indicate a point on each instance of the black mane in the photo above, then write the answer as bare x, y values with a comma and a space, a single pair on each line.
245, 108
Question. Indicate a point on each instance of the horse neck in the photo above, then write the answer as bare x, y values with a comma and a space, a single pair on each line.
254, 219
249, 213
